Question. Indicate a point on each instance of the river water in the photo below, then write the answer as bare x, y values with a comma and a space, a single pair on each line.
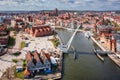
87, 66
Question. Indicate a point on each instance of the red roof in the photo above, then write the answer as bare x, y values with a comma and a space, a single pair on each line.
19, 20
27, 72
28, 57
107, 34
2, 28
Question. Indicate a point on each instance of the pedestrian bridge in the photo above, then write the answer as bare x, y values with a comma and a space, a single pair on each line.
65, 48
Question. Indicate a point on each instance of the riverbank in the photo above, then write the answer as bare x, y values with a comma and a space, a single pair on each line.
113, 56
86, 61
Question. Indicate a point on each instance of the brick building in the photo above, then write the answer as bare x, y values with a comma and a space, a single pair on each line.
3, 35
39, 30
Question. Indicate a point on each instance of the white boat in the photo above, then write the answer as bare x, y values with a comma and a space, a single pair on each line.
53, 61
87, 34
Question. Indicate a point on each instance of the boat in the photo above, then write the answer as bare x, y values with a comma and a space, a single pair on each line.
98, 55
87, 35
102, 53
53, 61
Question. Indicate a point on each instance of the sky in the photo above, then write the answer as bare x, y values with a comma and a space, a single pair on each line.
33, 5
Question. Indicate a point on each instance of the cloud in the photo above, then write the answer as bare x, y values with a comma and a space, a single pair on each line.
60, 4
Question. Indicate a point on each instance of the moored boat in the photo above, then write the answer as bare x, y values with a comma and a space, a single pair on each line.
98, 55
87, 35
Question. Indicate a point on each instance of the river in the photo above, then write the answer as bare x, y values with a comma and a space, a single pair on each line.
87, 66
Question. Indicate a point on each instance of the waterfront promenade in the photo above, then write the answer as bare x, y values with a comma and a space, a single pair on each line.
113, 56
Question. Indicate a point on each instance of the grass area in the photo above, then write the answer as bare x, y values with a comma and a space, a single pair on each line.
22, 44
11, 41
55, 41
24, 63
19, 74
14, 60
16, 53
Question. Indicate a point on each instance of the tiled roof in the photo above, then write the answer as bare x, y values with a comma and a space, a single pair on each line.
28, 57
107, 34
43, 55
3, 28
19, 20
48, 56
36, 56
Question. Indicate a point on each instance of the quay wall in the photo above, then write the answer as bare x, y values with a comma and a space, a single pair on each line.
113, 56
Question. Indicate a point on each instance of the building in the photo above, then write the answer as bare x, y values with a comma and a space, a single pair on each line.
37, 61
39, 30
116, 40
107, 35
4, 35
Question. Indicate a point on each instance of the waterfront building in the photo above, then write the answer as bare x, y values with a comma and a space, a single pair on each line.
39, 30
116, 40
107, 35
37, 61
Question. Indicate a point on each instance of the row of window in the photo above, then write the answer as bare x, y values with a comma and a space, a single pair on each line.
40, 66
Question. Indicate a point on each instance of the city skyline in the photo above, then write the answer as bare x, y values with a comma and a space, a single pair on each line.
33, 5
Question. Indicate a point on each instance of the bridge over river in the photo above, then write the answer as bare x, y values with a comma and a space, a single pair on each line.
87, 66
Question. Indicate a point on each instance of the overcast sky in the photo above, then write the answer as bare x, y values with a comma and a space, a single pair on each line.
6, 5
